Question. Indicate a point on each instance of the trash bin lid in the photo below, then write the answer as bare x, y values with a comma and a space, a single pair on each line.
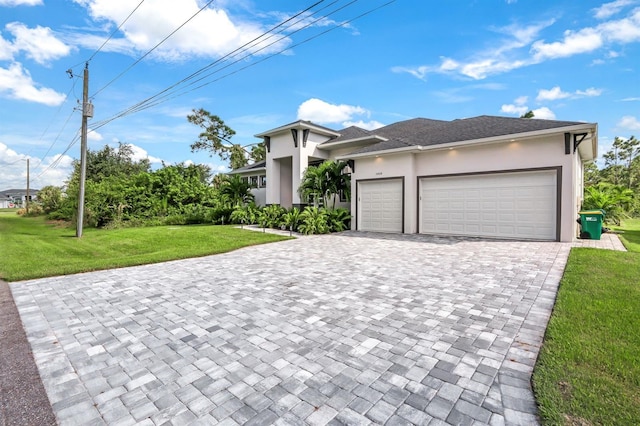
592, 212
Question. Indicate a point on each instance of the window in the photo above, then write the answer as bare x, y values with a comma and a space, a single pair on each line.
262, 181
253, 181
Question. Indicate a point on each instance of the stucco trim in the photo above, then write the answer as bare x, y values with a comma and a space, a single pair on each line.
558, 170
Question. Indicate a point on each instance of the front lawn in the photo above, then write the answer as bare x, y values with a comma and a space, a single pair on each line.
32, 248
588, 370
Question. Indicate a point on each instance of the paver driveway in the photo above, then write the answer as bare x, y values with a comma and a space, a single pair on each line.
353, 328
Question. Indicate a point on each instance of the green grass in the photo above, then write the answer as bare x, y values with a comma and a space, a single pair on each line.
32, 248
631, 234
588, 371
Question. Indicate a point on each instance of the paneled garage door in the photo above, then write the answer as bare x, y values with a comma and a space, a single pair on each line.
520, 205
380, 205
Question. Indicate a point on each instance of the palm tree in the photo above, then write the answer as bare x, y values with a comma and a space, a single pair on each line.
325, 181
236, 191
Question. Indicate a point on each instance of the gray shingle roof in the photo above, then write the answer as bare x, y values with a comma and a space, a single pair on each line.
258, 165
352, 132
484, 126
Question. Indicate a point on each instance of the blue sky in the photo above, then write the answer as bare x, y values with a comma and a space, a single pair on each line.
334, 64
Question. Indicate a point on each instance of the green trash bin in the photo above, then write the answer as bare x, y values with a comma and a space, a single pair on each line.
591, 224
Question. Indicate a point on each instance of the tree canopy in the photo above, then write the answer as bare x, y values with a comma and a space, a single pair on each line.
216, 138
616, 186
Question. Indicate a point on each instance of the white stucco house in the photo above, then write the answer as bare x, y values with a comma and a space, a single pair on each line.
484, 176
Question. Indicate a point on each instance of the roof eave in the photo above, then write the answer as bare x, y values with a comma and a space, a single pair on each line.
361, 141
238, 171
299, 125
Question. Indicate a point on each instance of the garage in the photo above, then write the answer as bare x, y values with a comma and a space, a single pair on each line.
518, 205
380, 205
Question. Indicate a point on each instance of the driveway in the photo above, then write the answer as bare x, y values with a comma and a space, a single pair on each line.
354, 328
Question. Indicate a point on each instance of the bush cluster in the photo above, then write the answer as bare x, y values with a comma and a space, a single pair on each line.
310, 220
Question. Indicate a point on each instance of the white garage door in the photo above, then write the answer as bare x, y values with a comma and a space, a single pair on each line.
380, 205
520, 205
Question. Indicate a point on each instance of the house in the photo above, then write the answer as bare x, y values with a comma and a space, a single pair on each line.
16, 197
483, 176
256, 175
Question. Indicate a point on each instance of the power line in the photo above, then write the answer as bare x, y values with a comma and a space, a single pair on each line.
114, 31
147, 102
152, 49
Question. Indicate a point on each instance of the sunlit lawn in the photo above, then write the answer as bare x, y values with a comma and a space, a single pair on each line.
33, 248
588, 371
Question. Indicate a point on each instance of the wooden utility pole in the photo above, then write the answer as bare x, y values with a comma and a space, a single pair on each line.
27, 197
86, 113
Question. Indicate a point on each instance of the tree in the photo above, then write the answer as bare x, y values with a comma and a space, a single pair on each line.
324, 182
621, 167
216, 138
615, 200
109, 162
591, 174
50, 197
258, 152
236, 191
528, 114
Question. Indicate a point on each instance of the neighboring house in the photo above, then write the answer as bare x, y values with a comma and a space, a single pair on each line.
16, 197
255, 174
483, 176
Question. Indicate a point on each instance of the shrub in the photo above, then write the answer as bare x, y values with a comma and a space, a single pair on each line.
339, 220
220, 215
313, 221
273, 216
291, 219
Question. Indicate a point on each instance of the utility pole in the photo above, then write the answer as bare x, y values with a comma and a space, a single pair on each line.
27, 199
87, 111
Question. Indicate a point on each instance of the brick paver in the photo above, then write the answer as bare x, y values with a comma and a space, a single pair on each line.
354, 328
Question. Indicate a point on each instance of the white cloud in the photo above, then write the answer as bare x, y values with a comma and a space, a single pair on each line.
493, 61
625, 30
92, 135
590, 92
141, 154
522, 47
16, 83
322, 112
518, 107
521, 100
573, 43
514, 109
369, 125
210, 33
629, 122
39, 43
630, 99
13, 169
609, 9
544, 113
552, 94
556, 93
12, 3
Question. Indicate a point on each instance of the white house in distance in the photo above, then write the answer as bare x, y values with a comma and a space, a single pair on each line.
484, 176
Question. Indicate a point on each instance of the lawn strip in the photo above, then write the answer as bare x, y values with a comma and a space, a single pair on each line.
32, 248
589, 365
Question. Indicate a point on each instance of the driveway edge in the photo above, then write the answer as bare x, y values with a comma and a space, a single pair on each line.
23, 399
